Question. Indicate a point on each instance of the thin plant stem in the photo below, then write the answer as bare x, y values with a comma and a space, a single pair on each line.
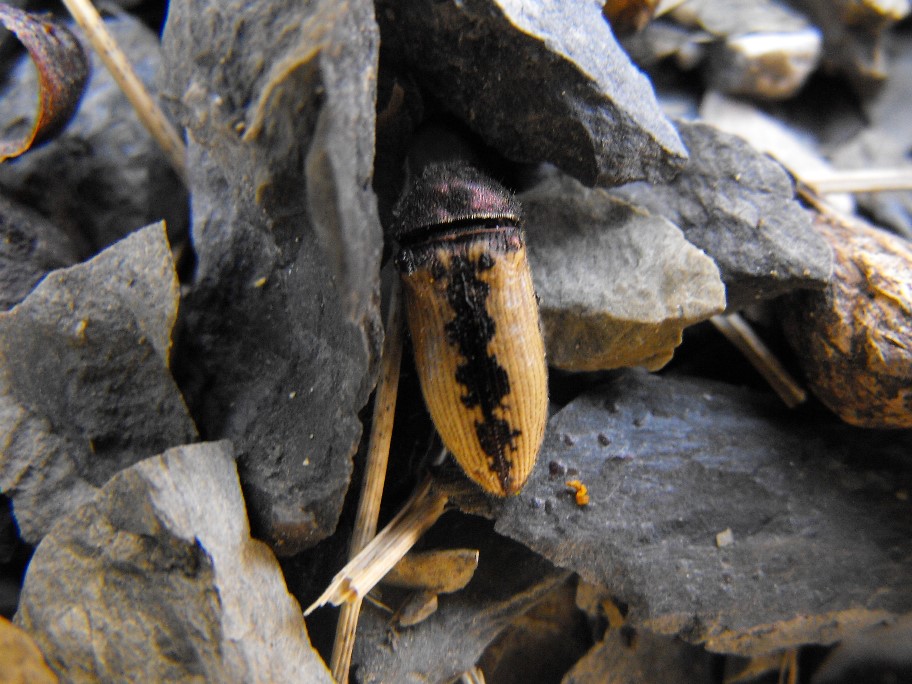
374, 477
737, 331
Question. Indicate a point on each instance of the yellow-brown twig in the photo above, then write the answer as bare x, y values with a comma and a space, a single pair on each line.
861, 180
150, 114
374, 477
739, 333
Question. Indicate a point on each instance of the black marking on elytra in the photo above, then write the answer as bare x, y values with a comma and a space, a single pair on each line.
486, 382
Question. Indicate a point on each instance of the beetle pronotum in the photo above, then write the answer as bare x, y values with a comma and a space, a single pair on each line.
474, 322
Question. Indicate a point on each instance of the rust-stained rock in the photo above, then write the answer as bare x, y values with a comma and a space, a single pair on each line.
21, 661
632, 657
617, 285
854, 339
739, 207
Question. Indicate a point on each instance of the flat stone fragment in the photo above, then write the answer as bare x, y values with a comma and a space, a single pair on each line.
628, 657
509, 580
819, 514
762, 48
739, 207
282, 321
540, 81
85, 388
616, 284
158, 580
30, 246
104, 176
854, 339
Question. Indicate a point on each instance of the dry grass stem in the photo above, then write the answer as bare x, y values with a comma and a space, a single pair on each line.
862, 180
365, 570
739, 333
473, 676
374, 476
151, 115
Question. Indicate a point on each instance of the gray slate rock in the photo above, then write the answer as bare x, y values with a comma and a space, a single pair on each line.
30, 246
509, 580
623, 657
540, 81
762, 48
822, 544
282, 326
739, 207
616, 285
85, 388
104, 176
157, 580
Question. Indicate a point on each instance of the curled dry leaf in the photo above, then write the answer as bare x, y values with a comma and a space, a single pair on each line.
63, 70
629, 16
854, 339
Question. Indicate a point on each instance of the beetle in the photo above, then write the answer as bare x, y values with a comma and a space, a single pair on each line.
473, 318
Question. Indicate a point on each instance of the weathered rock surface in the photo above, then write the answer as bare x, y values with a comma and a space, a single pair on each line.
628, 657
539, 81
819, 517
616, 285
85, 388
104, 176
30, 246
20, 660
157, 580
761, 48
509, 580
854, 339
739, 207
282, 327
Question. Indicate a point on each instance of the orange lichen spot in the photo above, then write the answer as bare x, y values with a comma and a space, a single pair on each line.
581, 492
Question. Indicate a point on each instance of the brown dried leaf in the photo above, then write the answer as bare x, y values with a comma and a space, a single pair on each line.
438, 572
20, 659
854, 339
63, 70
629, 16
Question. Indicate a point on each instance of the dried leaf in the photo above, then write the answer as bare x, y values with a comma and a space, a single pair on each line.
439, 572
63, 70
629, 16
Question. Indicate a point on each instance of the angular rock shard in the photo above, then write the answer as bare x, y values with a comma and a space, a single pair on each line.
539, 81
821, 531
157, 579
85, 388
282, 325
617, 285
739, 207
